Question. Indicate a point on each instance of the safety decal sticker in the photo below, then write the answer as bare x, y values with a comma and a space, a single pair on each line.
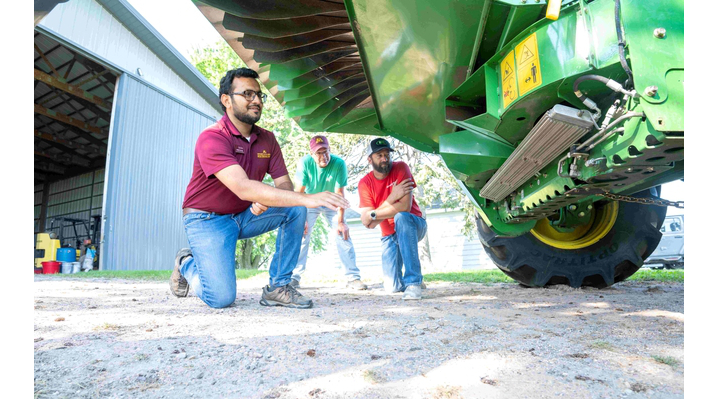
528, 65
509, 91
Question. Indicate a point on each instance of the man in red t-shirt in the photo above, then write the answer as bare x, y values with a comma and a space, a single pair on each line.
226, 201
385, 199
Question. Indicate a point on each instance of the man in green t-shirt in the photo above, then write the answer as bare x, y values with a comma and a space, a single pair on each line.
318, 172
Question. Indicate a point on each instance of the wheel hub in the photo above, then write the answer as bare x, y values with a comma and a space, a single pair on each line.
601, 221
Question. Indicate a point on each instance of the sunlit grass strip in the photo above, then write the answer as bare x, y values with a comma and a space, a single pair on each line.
667, 276
146, 275
497, 276
470, 276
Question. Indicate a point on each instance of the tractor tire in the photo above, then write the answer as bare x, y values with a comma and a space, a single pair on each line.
613, 255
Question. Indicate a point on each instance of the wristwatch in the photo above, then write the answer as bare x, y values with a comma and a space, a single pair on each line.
373, 215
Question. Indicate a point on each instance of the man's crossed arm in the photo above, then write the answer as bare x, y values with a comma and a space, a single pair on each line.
400, 200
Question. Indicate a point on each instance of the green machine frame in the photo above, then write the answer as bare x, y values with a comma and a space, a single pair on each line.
452, 78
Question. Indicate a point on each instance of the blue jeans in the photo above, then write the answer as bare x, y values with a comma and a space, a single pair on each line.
344, 248
402, 247
213, 240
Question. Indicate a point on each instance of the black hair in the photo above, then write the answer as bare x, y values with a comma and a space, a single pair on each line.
225, 85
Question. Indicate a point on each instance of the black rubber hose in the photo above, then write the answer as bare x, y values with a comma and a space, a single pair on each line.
582, 97
622, 46
584, 78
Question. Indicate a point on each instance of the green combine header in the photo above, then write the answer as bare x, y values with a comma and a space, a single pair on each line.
560, 120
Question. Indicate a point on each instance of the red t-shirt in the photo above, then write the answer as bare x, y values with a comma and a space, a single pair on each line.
373, 192
221, 145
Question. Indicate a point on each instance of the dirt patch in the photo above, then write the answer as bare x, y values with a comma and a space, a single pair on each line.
134, 339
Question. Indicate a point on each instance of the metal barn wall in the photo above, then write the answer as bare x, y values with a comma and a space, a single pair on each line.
450, 249
78, 197
92, 27
38, 205
150, 159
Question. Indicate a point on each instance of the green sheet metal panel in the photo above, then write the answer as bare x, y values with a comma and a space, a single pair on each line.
417, 54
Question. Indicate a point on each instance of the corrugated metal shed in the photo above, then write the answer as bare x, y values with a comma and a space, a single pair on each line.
116, 32
155, 121
78, 197
150, 163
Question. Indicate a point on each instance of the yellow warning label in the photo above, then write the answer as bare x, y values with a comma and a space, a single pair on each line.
528, 65
509, 91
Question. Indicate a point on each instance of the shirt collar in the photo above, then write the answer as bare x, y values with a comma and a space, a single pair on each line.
233, 129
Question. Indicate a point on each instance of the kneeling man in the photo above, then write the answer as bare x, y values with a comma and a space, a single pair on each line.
385, 199
226, 201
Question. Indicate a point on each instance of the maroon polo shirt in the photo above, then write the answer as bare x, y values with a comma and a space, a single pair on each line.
221, 145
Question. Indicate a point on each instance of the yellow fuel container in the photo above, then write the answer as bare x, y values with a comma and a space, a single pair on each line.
45, 249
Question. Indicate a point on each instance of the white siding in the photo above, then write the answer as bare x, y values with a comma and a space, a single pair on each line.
450, 249
90, 25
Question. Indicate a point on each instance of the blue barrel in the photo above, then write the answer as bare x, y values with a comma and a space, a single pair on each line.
66, 254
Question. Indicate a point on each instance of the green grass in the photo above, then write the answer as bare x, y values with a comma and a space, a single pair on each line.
145, 275
470, 276
666, 276
671, 361
497, 276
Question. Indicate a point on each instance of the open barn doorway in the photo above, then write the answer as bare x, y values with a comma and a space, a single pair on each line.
73, 96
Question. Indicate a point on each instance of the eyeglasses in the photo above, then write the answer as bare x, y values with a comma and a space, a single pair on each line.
250, 95
321, 154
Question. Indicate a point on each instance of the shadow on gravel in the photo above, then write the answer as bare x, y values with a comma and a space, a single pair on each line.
481, 338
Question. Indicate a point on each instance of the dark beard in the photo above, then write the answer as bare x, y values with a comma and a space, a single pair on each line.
247, 117
383, 170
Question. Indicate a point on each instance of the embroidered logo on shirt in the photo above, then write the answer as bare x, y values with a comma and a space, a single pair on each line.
263, 154
239, 150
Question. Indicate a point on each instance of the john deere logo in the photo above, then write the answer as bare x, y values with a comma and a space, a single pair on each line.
381, 142
319, 140
263, 154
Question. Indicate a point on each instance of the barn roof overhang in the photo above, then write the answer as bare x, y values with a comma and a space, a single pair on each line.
144, 31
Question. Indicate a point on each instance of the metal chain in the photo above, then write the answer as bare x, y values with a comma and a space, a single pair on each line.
646, 201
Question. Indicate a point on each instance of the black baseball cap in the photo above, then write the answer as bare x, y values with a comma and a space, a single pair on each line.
378, 145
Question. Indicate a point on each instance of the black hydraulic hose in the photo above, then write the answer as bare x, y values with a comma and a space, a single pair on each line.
622, 46
585, 100
584, 78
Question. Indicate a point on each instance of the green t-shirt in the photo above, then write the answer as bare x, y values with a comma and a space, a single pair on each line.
317, 180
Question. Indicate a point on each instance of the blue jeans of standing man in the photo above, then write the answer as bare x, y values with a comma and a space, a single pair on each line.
403, 247
213, 240
344, 248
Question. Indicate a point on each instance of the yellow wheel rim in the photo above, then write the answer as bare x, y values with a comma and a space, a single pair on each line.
602, 221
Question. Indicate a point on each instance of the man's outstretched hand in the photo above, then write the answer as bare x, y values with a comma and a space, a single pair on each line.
330, 200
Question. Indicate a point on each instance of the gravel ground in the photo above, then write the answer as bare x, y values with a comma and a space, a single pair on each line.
120, 338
